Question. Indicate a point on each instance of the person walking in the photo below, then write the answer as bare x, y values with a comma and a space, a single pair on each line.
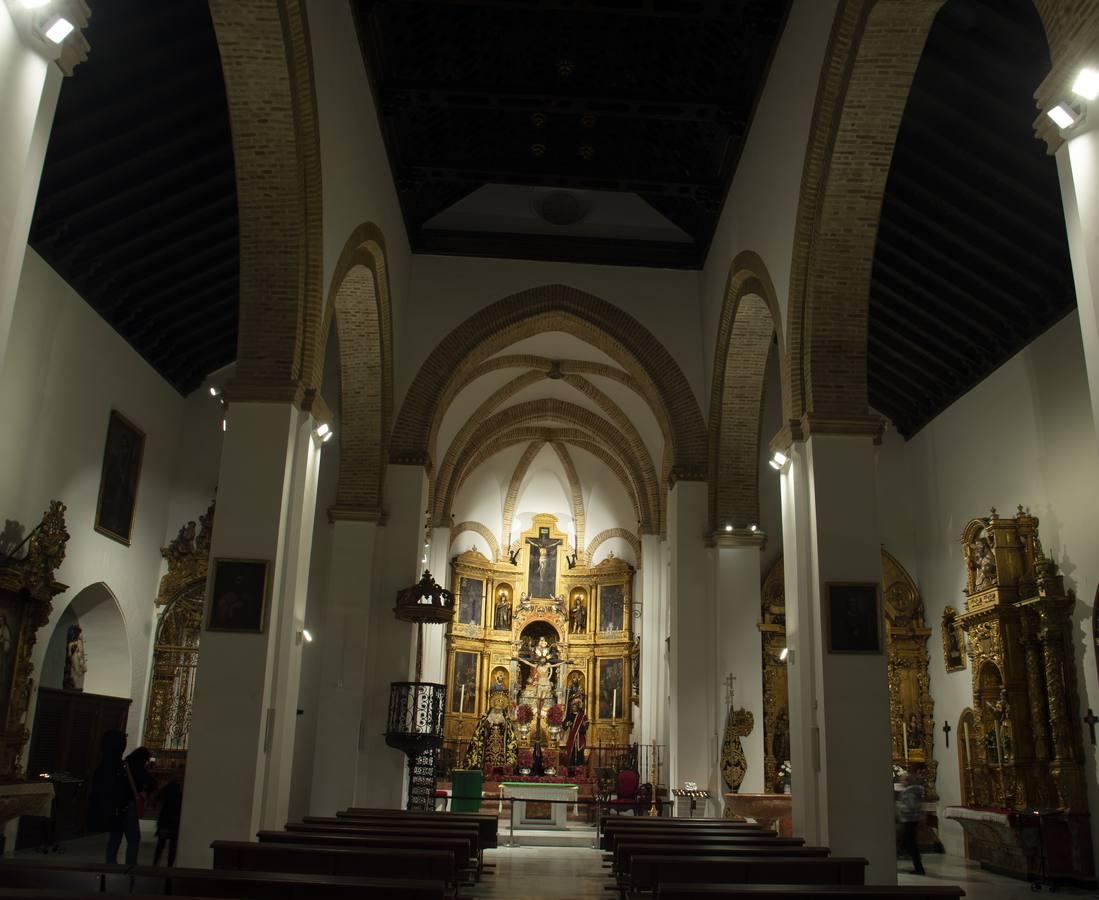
167, 820
909, 815
138, 785
110, 797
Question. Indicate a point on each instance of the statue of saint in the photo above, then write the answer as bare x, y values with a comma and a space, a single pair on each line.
542, 571
984, 564
540, 686
578, 615
76, 662
502, 618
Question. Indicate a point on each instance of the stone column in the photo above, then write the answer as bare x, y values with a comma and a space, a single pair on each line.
692, 736
245, 702
343, 638
1078, 167
32, 84
382, 775
438, 561
738, 649
839, 703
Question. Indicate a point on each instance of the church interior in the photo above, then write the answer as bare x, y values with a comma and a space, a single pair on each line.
528, 448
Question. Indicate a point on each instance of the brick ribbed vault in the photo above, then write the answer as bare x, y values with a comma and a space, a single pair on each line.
268, 67
628, 536
582, 315
521, 469
477, 528
359, 306
750, 321
617, 436
868, 68
625, 470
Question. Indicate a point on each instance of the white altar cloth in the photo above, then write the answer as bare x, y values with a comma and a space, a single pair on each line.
520, 792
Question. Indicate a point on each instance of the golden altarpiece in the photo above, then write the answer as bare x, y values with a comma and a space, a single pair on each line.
911, 711
544, 629
175, 650
1025, 746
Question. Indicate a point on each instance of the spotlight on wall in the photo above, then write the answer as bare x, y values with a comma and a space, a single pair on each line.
323, 433
753, 528
214, 392
224, 424
1064, 115
34, 4
57, 29
307, 636
778, 460
785, 652
1086, 84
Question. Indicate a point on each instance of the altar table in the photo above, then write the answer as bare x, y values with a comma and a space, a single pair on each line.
521, 792
25, 798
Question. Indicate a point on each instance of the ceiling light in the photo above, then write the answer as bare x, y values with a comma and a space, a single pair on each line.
785, 652
1086, 84
58, 28
778, 460
34, 4
1063, 115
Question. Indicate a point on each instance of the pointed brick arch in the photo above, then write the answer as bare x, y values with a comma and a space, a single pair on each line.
477, 528
267, 63
359, 306
628, 536
868, 68
750, 323
589, 318
512, 496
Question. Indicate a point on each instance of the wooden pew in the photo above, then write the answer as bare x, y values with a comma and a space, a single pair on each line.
647, 872
469, 831
463, 849
26, 873
305, 859
280, 886
625, 852
610, 838
804, 892
488, 825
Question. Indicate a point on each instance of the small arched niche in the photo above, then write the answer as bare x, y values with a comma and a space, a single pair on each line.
106, 649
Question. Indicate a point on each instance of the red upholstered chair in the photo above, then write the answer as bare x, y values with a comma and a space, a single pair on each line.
625, 795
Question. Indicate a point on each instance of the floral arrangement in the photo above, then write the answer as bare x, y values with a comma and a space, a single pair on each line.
898, 773
524, 715
555, 715
784, 771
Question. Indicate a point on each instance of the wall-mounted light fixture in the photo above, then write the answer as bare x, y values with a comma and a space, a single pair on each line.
1086, 85
322, 434
778, 460
57, 28
785, 652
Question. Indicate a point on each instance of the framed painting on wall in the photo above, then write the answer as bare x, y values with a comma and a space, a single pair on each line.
463, 691
239, 598
471, 593
114, 511
853, 617
612, 698
612, 607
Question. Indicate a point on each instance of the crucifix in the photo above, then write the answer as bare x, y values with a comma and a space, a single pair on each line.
730, 689
947, 729
1090, 719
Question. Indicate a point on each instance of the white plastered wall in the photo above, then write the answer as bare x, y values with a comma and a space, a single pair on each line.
65, 370
1022, 436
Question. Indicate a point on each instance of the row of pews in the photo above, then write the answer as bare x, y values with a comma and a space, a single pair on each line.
359, 853
705, 859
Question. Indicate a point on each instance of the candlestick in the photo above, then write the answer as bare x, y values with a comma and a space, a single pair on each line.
614, 705
904, 732
968, 748
462, 700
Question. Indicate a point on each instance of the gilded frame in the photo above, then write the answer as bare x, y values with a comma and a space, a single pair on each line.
250, 620
869, 638
950, 626
109, 472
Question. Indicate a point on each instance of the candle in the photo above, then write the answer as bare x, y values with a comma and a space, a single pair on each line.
614, 705
462, 700
968, 749
904, 733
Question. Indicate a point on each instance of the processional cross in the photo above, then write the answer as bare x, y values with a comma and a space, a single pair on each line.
1090, 719
947, 730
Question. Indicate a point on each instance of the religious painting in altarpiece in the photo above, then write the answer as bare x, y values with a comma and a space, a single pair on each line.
544, 635
911, 710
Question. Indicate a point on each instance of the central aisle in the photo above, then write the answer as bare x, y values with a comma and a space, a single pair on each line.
542, 873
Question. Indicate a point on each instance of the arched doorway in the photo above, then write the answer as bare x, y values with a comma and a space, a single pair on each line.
96, 613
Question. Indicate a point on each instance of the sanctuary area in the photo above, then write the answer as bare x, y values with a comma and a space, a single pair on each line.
525, 448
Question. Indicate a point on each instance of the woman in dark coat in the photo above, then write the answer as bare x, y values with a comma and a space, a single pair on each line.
111, 797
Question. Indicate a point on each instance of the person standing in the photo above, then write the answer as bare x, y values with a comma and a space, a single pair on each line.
139, 784
167, 820
110, 793
908, 812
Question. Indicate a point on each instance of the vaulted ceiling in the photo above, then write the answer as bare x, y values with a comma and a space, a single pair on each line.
971, 262
137, 209
586, 98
